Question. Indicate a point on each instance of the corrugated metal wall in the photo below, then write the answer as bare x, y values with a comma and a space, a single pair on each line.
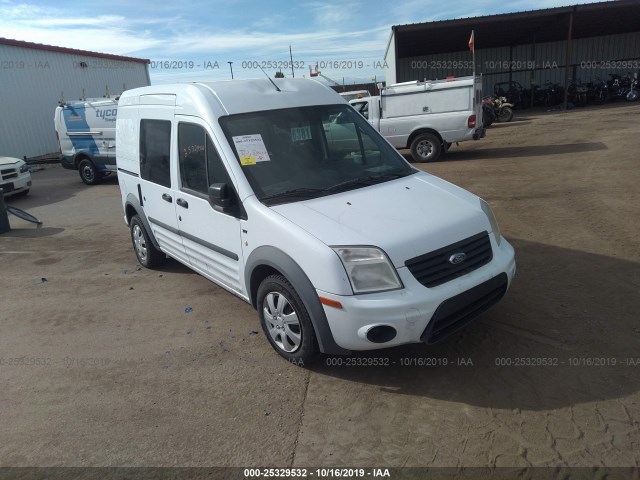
588, 61
31, 83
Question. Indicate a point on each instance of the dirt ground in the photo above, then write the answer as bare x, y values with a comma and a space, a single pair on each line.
104, 363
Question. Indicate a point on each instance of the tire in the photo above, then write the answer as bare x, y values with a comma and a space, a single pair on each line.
600, 96
426, 147
582, 100
148, 255
632, 96
505, 114
486, 119
88, 172
285, 321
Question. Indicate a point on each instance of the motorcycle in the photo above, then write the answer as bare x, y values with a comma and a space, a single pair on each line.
496, 108
598, 92
488, 112
619, 86
577, 93
633, 94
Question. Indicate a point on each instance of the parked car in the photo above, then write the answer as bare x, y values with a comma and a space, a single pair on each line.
85, 131
338, 248
15, 178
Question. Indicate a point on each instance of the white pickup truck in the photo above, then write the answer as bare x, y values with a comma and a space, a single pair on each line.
426, 117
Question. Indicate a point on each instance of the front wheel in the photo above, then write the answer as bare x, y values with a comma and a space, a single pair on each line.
426, 147
632, 96
505, 114
88, 172
285, 320
148, 255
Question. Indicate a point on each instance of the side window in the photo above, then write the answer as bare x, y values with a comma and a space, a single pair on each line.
217, 173
363, 108
200, 164
193, 165
155, 148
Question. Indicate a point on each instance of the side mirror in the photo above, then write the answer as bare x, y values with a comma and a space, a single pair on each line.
219, 197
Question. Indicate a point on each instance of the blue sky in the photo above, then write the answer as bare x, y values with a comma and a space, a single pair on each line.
206, 35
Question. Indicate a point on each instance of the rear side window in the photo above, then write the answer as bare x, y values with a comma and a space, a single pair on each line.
200, 164
155, 148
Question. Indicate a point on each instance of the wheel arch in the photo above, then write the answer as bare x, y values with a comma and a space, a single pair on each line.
78, 157
132, 207
267, 260
420, 131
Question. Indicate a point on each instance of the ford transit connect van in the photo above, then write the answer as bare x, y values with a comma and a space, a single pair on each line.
339, 243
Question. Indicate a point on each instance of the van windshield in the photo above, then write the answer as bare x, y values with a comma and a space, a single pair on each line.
299, 153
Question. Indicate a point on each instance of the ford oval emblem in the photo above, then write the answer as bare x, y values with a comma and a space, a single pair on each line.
457, 258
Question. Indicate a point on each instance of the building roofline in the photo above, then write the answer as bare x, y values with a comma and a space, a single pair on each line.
513, 15
73, 51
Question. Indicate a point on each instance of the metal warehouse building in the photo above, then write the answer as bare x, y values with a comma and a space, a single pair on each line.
528, 47
35, 77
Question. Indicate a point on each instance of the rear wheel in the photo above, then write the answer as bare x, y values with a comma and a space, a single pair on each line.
88, 172
426, 147
148, 255
505, 114
600, 96
285, 320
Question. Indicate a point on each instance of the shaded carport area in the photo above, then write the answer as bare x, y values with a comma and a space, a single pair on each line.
583, 42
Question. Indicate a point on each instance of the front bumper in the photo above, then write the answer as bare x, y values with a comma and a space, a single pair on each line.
16, 185
413, 311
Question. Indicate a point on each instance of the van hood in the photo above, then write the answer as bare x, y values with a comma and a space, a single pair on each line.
406, 217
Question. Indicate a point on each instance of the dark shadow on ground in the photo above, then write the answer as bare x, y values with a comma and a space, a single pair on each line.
517, 122
529, 151
574, 311
31, 232
53, 185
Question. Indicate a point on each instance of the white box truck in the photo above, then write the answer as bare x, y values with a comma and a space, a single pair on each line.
426, 117
86, 132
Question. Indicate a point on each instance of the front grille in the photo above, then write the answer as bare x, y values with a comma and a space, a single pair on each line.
8, 173
434, 268
456, 312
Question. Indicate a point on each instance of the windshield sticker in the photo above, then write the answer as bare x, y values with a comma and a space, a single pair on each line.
251, 149
298, 134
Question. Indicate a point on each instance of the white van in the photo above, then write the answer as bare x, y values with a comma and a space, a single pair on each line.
339, 249
86, 137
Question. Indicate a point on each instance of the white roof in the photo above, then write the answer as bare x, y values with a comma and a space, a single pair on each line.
241, 96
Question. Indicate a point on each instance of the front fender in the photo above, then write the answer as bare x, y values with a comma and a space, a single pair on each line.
280, 261
133, 202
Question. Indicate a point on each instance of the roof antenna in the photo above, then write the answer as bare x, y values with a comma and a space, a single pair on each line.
274, 83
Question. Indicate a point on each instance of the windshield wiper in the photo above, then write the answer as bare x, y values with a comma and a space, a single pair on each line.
364, 181
295, 192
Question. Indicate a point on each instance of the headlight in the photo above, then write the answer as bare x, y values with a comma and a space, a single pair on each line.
492, 220
24, 168
369, 269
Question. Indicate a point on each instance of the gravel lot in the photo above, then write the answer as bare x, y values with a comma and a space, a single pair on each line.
104, 363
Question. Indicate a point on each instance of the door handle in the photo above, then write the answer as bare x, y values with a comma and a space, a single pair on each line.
167, 198
182, 203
